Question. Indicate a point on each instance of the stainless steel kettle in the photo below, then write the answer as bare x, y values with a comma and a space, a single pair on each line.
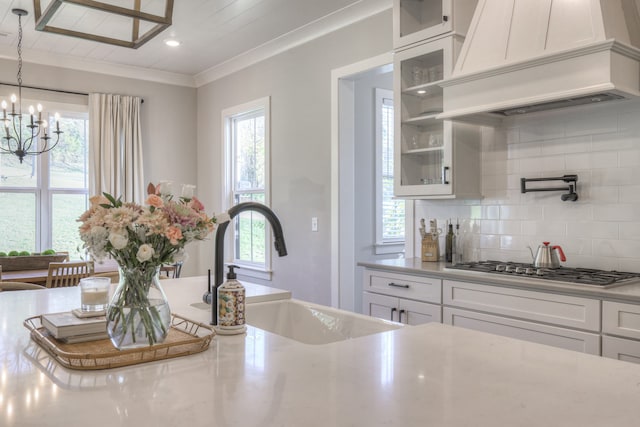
547, 256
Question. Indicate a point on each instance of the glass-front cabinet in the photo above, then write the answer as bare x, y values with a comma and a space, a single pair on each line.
428, 150
418, 20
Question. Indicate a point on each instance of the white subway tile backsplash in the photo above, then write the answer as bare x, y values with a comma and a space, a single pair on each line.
601, 230
578, 161
616, 212
592, 229
592, 124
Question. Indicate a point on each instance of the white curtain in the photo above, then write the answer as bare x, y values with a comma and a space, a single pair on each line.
115, 147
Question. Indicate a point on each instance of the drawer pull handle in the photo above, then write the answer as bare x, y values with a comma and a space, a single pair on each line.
400, 316
398, 285
392, 311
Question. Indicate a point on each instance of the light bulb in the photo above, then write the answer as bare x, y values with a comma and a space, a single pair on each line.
57, 116
39, 107
31, 109
14, 98
4, 104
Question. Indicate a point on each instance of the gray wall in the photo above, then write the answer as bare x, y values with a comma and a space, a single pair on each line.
168, 117
299, 83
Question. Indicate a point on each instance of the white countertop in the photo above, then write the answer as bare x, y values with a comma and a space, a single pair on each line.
433, 375
626, 292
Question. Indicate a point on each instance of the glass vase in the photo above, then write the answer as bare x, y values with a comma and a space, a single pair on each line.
138, 314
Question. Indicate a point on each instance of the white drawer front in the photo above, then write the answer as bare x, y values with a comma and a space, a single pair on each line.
575, 312
403, 285
621, 319
542, 334
621, 349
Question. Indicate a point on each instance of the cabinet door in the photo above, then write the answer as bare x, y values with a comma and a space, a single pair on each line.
621, 319
423, 149
528, 331
621, 349
381, 306
416, 313
416, 20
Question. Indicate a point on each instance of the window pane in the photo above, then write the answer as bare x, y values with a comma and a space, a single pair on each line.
16, 174
249, 153
18, 222
392, 210
66, 208
250, 231
68, 160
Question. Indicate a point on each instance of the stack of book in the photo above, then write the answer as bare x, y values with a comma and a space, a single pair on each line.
68, 328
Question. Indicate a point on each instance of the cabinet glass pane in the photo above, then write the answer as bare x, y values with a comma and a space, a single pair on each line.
417, 15
422, 168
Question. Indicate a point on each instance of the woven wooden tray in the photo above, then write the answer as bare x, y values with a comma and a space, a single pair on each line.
185, 337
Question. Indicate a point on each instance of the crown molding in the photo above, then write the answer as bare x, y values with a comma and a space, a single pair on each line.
320, 27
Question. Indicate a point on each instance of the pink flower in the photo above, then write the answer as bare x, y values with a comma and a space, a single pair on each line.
174, 234
155, 201
196, 204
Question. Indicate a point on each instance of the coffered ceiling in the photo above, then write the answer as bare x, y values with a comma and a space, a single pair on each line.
214, 35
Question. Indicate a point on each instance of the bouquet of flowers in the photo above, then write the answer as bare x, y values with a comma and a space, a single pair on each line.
141, 238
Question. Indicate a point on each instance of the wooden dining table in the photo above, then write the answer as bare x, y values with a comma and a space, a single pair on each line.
39, 277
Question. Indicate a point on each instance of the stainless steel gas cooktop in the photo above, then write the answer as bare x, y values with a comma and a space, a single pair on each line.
584, 276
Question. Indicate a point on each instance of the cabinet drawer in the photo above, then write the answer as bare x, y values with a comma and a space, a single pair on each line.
621, 349
621, 319
403, 285
563, 310
528, 331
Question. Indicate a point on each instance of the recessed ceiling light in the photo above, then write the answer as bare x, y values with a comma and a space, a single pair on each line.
172, 42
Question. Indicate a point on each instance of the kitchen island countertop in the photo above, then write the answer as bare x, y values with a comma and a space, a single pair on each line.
432, 375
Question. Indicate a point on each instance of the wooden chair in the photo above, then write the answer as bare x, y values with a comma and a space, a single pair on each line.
171, 271
18, 286
63, 274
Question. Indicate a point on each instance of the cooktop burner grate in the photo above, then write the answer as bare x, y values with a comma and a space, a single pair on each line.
585, 276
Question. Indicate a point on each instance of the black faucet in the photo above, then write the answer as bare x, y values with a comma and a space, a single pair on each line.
219, 260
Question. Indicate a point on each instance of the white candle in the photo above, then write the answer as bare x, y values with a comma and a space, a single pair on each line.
95, 296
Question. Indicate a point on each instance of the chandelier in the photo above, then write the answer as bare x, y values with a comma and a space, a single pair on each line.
30, 137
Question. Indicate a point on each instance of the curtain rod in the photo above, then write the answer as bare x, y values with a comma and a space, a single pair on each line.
68, 92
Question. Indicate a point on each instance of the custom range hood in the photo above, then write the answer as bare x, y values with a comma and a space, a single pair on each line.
522, 56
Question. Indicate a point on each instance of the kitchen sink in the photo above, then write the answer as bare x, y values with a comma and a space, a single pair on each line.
312, 323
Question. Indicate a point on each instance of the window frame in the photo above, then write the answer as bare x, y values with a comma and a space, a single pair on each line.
382, 245
249, 269
43, 192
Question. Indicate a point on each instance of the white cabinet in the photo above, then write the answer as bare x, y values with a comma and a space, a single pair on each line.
401, 297
563, 310
563, 321
569, 339
433, 158
399, 309
622, 320
418, 20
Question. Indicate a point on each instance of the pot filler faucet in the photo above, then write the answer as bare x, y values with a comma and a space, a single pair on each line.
211, 296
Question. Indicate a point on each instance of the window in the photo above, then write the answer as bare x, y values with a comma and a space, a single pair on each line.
41, 198
390, 213
247, 172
